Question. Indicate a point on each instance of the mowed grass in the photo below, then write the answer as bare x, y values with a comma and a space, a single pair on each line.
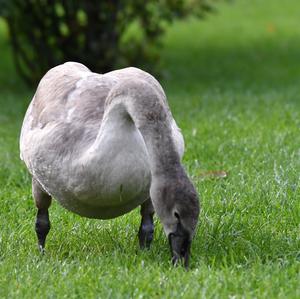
233, 83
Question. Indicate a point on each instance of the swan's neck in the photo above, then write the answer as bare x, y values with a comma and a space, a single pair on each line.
164, 159
150, 115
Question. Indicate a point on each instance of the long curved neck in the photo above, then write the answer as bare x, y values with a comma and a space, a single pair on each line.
164, 159
140, 103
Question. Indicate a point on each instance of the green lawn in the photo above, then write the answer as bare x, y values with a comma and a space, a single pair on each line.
233, 82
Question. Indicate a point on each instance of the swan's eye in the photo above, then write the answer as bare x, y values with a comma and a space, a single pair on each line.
176, 215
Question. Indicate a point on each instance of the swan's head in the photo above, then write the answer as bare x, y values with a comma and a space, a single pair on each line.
177, 205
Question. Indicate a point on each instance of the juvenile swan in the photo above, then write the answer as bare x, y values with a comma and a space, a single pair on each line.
103, 145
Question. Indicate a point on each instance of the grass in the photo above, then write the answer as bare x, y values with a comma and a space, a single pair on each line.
233, 83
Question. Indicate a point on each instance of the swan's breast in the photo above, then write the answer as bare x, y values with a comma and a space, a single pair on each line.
118, 167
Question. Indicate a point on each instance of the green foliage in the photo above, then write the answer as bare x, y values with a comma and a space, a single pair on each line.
101, 34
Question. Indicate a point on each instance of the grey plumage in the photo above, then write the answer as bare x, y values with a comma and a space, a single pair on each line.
101, 144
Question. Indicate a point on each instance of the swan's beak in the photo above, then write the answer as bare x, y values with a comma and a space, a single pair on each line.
180, 245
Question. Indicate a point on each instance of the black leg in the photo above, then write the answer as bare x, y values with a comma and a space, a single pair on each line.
147, 227
42, 224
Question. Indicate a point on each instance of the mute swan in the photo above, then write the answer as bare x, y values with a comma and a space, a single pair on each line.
103, 145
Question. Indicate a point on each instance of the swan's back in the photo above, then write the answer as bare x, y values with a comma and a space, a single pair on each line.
70, 102
70, 99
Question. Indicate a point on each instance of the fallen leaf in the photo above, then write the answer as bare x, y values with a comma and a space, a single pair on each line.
216, 174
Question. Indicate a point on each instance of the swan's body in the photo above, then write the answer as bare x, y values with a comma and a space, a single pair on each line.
101, 145
94, 163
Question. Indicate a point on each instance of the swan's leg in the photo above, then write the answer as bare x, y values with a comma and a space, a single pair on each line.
147, 226
42, 202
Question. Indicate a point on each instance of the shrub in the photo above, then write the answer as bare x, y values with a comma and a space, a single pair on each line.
100, 34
